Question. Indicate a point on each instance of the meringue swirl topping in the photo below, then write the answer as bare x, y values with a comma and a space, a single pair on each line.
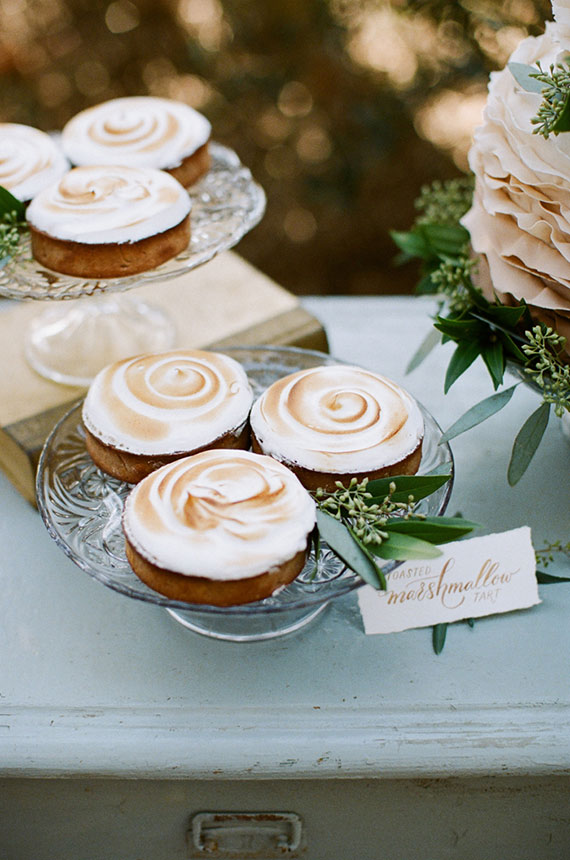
96, 205
141, 131
337, 418
167, 402
29, 160
219, 514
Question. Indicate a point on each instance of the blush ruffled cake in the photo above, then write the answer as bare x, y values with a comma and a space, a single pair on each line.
109, 222
221, 527
519, 222
143, 412
335, 422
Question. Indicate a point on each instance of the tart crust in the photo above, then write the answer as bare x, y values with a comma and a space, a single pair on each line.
193, 167
196, 589
109, 260
312, 479
132, 468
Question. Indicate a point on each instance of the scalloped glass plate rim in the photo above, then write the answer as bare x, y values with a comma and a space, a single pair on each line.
341, 586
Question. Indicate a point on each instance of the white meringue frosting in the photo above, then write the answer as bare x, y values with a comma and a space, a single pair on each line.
337, 418
29, 160
168, 402
220, 514
97, 205
141, 131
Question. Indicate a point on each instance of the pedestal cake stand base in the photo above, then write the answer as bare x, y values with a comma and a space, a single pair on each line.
247, 627
96, 330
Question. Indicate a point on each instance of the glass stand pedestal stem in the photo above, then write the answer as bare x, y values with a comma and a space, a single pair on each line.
72, 340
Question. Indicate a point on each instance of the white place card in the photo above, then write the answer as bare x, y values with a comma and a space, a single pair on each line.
475, 577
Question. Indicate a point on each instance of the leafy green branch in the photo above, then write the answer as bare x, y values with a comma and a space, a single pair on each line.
496, 333
371, 520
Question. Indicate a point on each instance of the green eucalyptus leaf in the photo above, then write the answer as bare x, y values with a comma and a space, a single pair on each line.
418, 486
446, 239
522, 75
465, 354
431, 241
505, 316
478, 413
430, 341
494, 359
526, 443
512, 349
435, 530
478, 300
412, 243
460, 329
549, 579
340, 540
9, 204
497, 322
381, 577
439, 632
402, 546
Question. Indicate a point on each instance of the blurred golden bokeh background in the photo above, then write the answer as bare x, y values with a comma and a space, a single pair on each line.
342, 109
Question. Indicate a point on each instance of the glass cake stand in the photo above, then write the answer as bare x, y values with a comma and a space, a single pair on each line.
82, 508
70, 341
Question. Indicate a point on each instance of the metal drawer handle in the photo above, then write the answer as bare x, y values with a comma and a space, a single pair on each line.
245, 835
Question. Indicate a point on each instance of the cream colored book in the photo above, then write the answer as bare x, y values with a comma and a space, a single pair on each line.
223, 303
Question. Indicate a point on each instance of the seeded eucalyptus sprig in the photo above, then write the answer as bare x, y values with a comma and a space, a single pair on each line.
370, 520
356, 504
438, 239
12, 223
553, 115
444, 202
548, 553
547, 368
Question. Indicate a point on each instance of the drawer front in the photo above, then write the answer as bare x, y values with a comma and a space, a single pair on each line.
77, 819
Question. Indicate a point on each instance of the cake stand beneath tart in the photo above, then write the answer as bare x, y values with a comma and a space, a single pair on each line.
91, 323
82, 509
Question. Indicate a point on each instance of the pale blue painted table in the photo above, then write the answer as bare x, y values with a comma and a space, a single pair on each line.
117, 725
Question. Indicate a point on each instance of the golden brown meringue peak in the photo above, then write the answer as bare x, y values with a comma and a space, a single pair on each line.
337, 418
219, 514
141, 131
168, 402
96, 205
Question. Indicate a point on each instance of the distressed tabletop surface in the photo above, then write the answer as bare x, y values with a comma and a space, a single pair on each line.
94, 683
